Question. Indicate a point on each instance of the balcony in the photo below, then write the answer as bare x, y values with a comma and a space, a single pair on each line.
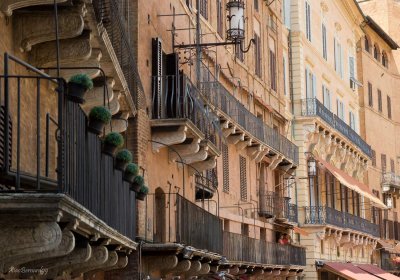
272, 205
181, 119
390, 182
321, 215
56, 183
206, 184
240, 248
244, 129
313, 107
388, 264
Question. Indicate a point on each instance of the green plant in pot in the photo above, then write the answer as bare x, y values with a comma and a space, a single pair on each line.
99, 116
112, 142
142, 193
122, 158
138, 182
78, 85
131, 171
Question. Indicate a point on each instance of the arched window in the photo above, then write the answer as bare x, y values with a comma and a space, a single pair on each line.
385, 59
377, 54
367, 44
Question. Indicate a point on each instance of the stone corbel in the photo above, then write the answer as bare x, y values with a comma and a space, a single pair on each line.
200, 156
99, 258
228, 131
8, 6
97, 96
243, 144
234, 139
184, 149
254, 151
26, 240
31, 28
276, 272
168, 138
346, 160
180, 268
275, 161
261, 156
114, 104
119, 122
71, 51
345, 239
194, 269
321, 235
312, 138
209, 163
161, 264
331, 149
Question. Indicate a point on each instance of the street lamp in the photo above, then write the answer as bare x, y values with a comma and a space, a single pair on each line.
312, 167
236, 20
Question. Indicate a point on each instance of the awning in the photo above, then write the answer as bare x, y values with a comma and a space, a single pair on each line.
352, 183
386, 246
300, 231
349, 271
377, 271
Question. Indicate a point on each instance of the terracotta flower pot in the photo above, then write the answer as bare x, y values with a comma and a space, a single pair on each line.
76, 92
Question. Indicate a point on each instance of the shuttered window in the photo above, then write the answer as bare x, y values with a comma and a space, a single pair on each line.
324, 44
352, 120
204, 8
311, 82
379, 100
327, 97
389, 107
392, 168
225, 167
373, 158
338, 52
220, 18
340, 109
272, 64
383, 163
308, 20
243, 178
370, 97
257, 55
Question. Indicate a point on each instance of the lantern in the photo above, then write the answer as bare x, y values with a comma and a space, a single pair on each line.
236, 20
312, 167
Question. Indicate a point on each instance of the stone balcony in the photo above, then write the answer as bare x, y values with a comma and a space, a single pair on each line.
332, 139
391, 183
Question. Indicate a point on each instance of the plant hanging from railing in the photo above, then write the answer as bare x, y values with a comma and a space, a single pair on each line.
142, 193
78, 85
131, 171
99, 116
138, 182
112, 142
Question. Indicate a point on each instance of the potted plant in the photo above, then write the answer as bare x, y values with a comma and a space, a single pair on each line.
112, 142
131, 171
99, 116
138, 182
78, 85
142, 193
122, 158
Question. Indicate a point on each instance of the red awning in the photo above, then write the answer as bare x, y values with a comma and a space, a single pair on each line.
349, 271
373, 269
351, 183
300, 231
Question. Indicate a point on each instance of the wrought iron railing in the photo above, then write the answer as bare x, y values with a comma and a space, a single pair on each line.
325, 215
111, 15
390, 179
293, 213
175, 97
313, 107
208, 180
222, 99
238, 247
65, 157
176, 219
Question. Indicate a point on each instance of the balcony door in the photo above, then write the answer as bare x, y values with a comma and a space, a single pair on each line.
160, 206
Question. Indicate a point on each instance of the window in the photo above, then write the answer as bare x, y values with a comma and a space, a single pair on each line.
327, 97
352, 72
239, 54
324, 45
243, 178
376, 52
389, 107
256, 5
310, 84
379, 100
285, 79
370, 98
204, 8
373, 158
308, 21
286, 12
257, 55
272, 65
384, 59
352, 120
220, 18
383, 163
338, 57
392, 168
189, 3
367, 44
340, 109
225, 167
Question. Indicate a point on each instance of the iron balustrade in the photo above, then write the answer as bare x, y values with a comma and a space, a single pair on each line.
115, 16
76, 165
275, 205
176, 219
387, 262
175, 97
313, 107
293, 213
238, 247
322, 215
222, 99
